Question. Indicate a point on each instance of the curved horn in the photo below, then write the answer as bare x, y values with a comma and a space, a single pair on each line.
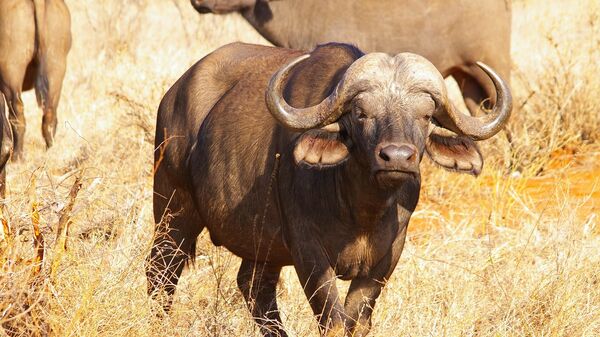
322, 114
480, 128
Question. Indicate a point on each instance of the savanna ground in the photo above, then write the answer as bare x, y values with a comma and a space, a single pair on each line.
514, 252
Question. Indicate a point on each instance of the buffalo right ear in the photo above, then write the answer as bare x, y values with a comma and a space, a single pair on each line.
320, 148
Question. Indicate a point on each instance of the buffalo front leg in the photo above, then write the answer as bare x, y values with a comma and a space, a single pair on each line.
318, 280
360, 302
258, 283
364, 291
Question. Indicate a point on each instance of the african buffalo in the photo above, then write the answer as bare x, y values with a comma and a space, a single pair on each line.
35, 37
453, 35
328, 188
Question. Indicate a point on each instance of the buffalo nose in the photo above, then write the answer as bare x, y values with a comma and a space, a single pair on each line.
200, 6
394, 153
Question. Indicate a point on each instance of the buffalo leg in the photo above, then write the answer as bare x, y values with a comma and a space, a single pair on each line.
52, 61
49, 122
48, 87
17, 122
360, 302
174, 242
3, 121
258, 283
5, 146
2, 185
318, 280
3, 156
364, 291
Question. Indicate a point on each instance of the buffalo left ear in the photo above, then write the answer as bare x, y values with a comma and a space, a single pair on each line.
455, 153
320, 148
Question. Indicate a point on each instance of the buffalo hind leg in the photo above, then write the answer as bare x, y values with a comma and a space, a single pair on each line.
17, 122
49, 122
48, 87
258, 283
174, 244
5, 147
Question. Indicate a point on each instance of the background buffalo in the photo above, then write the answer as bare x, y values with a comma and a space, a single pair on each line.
452, 35
35, 37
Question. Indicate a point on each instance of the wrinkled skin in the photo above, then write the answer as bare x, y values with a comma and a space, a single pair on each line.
35, 38
452, 35
332, 203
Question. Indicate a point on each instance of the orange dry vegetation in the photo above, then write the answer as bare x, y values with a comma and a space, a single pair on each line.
514, 252
572, 176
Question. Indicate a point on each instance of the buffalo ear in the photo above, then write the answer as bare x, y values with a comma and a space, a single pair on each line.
455, 153
320, 148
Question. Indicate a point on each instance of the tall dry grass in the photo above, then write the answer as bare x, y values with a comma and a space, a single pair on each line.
492, 256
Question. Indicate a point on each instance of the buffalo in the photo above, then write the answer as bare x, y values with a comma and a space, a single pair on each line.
453, 35
35, 38
310, 160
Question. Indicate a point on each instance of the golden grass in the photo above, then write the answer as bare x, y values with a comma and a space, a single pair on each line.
514, 252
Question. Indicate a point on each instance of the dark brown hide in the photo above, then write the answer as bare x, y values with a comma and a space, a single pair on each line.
333, 205
35, 37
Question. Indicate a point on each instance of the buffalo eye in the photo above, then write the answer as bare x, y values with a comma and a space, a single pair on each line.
360, 113
426, 107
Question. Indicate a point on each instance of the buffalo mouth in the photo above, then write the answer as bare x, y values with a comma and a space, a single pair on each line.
387, 176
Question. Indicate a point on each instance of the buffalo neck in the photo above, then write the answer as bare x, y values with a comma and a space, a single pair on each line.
364, 202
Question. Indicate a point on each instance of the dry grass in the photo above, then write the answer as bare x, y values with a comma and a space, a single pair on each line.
503, 255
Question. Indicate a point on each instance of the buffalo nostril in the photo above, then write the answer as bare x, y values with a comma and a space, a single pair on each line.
203, 10
397, 152
384, 155
407, 153
201, 6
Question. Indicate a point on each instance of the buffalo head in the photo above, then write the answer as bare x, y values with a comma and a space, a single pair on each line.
386, 112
